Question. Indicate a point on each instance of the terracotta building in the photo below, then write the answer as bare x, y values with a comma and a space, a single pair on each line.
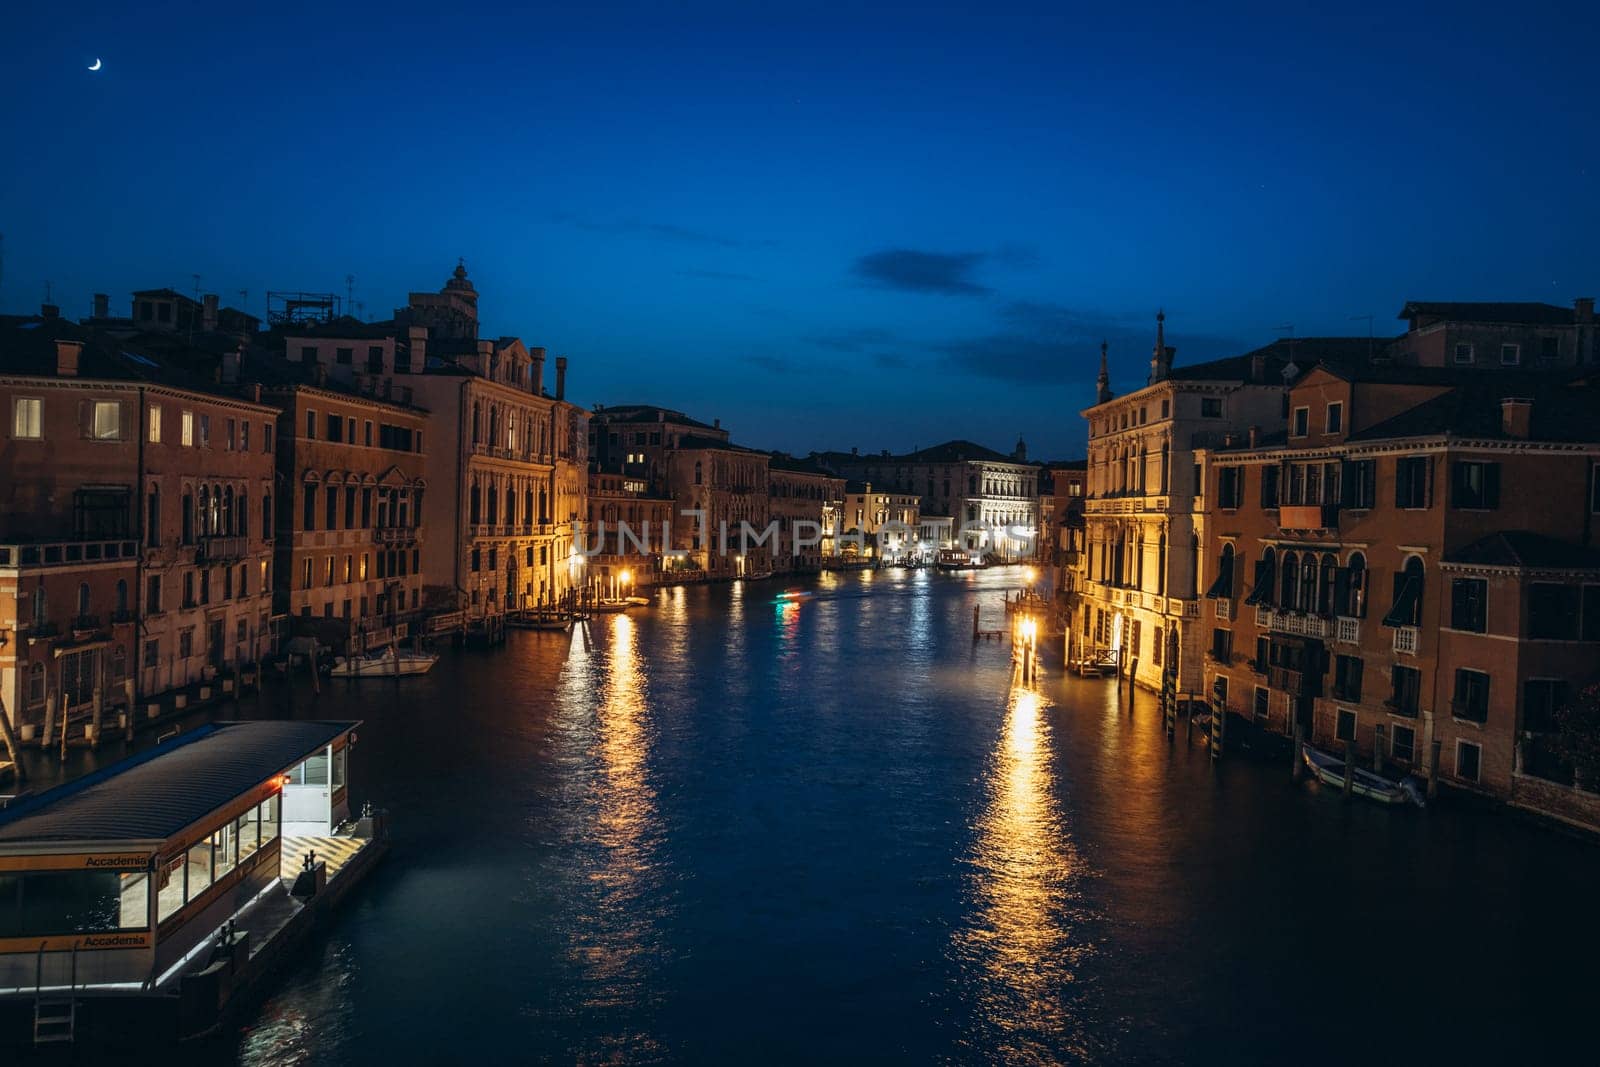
136, 548
1496, 336
511, 464
804, 497
1144, 525
1411, 564
627, 531
715, 487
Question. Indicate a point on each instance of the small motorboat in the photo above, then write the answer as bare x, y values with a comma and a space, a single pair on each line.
637, 601
1330, 771
554, 621
957, 559
384, 664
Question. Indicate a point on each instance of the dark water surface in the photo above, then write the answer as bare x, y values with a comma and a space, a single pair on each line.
738, 831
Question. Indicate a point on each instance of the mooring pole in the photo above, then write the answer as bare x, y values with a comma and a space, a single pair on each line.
1349, 768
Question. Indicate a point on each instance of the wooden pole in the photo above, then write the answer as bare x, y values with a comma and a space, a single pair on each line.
63, 726
974, 624
9, 738
1349, 769
1297, 763
99, 714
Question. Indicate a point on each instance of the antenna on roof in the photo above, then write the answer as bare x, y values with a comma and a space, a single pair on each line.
1290, 370
349, 293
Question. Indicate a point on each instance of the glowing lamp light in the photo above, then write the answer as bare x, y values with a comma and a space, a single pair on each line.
627, 577
279, 780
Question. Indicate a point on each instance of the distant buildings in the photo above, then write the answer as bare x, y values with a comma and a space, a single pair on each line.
971, 485
883, 525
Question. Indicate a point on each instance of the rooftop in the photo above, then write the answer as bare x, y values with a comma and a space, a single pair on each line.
1522, 314
156, 794
1520, 548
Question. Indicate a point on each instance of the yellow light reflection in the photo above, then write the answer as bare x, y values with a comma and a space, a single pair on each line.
1020, 944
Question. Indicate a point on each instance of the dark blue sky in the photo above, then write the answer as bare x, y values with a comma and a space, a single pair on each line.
827, 229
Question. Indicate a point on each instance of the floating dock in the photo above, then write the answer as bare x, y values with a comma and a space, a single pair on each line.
144, 902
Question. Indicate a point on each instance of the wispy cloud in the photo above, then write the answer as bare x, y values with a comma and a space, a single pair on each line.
915, 271
654, 230
918, 271
1039, 341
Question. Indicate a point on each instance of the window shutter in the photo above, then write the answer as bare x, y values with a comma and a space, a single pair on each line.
1400, 482
1491, 485
1427, 481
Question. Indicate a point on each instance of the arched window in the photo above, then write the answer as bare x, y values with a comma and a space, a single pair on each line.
1355, 600
1289, 597
494, 425
1327, 578
494, 499
1265, 589
477, 420
188, 518
1406, 608
122, 596
36, 683
1308, 594
226, 525
698, 473
1225, 571
544, 506
205, 510
474, 504
83, 599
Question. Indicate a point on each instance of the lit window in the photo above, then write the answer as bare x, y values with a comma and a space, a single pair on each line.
26, 412
155, 424
188, 429
107, 420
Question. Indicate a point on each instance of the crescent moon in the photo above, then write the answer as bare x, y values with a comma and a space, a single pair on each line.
96, 65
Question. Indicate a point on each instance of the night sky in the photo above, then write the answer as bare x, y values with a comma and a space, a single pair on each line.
828, 229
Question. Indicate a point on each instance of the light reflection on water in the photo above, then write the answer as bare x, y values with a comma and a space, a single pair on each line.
1019, 950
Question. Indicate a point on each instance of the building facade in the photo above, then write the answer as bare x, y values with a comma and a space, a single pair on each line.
1412, 568
805, 502
135, 557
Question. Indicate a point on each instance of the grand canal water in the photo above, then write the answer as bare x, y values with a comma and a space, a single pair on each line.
734, 830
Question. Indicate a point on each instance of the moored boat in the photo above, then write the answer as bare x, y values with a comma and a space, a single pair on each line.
1330, 771
957, 559
637, 601
553, 621
385, 664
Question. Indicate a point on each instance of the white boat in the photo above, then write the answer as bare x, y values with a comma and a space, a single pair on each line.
956, 559
1330, 770
383, 664
637, 601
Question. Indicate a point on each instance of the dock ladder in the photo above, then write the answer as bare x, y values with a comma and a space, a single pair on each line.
55, 1018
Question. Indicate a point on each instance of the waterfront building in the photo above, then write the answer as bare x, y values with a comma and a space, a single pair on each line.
511, 464
1140, 569
617, 500
1410, 565
1061, 525
869, 515
352, 464
963, 481
135, 501
805, 500
715, 487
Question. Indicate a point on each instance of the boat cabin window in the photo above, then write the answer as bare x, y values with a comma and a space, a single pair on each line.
313, 771
339, 756
186, 876
53, 903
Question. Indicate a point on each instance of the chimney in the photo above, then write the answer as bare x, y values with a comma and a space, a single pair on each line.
231, 362
67, 353
1583, 310
208, 312
1516, 417
102, 306
1227, 440
255, 392
538, 370
561, 377
716, 424
1255, 436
